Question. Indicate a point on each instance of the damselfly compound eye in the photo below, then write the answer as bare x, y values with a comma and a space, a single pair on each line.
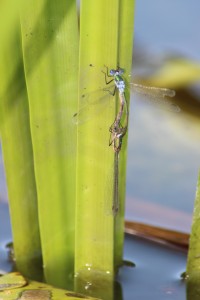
112, 72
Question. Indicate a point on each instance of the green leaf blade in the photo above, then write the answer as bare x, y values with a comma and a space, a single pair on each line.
50, 47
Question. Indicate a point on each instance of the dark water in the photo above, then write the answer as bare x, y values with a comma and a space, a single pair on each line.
156, 275
157, 272
5, 237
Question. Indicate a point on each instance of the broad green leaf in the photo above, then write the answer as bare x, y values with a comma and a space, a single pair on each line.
50, 51
18, 157
125, 61
102, 28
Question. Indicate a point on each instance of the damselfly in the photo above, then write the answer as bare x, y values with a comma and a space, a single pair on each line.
115, 205
91, 105
118, 130
117, 134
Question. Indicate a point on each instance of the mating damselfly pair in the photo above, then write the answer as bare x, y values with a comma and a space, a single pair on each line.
91, 107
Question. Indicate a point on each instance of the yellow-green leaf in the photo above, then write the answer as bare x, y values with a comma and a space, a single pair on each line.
12, 287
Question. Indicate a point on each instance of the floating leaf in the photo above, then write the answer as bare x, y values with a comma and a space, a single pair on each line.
15, 286
12, 281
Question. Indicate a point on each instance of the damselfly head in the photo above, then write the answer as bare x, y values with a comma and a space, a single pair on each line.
118, 71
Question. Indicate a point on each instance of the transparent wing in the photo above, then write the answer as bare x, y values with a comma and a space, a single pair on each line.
159, 96
91, 105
